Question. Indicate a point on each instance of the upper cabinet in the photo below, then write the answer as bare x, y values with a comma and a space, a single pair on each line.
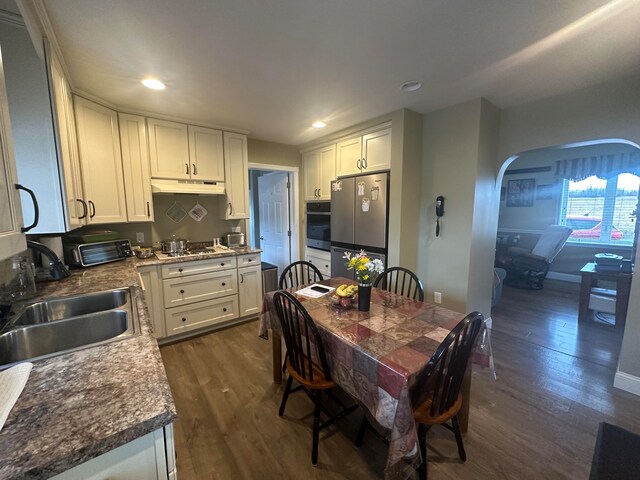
135, 165
169, 149
101, 162
364, 154
319, 171
185, 152
12, 240
206, 154
236, 174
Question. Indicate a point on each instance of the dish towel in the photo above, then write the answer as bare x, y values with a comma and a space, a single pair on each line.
12, 382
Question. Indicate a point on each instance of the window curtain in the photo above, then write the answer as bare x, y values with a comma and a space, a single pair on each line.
602, 166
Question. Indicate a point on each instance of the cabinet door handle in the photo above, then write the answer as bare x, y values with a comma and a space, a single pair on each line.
250, 260
358, 164
180, 270
222, 264
242, 278
36, 210
364, 164
85, 210
184, 319
230, 209
186, 166
224, 284
93, 209
195, 170
224, 309
148, 211
181, 291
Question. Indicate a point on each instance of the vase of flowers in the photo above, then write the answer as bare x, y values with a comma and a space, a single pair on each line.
366, 271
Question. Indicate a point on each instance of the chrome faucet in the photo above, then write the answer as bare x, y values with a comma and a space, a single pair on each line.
58, 271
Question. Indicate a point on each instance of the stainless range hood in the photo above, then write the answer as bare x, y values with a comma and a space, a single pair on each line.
187, 186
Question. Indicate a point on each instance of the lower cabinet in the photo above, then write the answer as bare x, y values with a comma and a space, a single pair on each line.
192, 295
151, 457
201, 314
320, 259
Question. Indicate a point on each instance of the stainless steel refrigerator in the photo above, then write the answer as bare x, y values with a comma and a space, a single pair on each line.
359, 219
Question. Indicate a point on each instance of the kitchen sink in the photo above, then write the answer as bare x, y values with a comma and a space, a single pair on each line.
61, 325
67, 307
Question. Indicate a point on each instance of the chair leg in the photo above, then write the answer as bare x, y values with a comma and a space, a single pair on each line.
285, 395
361, 431
422, 440
316, 428
456, 431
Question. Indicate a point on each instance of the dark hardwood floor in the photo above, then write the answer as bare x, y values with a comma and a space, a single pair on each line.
538, 420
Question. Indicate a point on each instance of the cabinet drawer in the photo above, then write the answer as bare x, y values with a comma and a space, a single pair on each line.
202, 314
248, 260
321, 259
200, 266
196, 288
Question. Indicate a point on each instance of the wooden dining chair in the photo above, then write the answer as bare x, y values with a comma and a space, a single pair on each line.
306, 363
436, 396
299, 273
401, 281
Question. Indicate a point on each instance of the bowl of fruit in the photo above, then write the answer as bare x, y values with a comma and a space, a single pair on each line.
345, 296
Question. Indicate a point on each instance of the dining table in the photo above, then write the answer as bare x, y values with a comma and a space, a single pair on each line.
376, 355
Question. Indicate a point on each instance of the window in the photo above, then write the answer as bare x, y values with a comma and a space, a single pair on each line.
601, 211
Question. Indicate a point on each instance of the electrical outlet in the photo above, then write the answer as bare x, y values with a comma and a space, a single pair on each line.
140, 237
437, 297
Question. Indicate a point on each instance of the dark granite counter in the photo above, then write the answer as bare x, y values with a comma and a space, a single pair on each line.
155, 260
83, 404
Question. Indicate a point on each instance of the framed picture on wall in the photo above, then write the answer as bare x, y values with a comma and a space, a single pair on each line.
520, 193
545, 192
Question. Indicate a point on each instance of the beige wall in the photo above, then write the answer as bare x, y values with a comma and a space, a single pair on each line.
271, 153
608, 111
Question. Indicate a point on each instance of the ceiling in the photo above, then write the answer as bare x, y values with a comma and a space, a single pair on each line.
275, 66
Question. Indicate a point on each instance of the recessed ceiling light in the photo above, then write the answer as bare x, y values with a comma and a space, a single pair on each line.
318, 124
411, 86
153, 83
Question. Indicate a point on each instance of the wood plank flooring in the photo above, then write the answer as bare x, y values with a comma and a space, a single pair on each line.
538, 420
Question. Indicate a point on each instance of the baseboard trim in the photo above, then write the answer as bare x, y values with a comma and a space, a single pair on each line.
565, 277
626, 382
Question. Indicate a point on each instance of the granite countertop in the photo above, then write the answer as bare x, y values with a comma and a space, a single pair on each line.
155, 260
82, 404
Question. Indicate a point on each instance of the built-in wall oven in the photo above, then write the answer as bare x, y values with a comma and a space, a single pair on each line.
319, 225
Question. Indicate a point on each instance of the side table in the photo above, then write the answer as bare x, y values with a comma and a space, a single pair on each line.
590, 279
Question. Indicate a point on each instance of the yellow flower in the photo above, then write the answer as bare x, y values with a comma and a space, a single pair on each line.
365, 277
362, 267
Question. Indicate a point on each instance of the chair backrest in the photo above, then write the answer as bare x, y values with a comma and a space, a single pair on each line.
299, 273
551, 241
401, 281
304, 345
441, 379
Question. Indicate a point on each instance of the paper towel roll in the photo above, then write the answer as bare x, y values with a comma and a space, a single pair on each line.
55, 244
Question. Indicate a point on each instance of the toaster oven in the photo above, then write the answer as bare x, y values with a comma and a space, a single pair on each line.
88, 254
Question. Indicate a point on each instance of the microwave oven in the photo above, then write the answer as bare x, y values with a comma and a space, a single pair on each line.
88, 254
319, 225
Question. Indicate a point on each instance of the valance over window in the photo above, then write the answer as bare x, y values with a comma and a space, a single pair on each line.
602, 166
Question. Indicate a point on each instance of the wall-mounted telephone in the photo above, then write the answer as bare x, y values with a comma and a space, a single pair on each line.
439, 213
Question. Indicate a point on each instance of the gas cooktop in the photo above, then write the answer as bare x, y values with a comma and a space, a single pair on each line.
194, 252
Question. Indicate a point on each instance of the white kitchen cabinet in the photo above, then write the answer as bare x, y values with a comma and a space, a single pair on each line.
135, 165
101, 162
319, 171
169, 149
236, 177
249, 284
201, 314
76, 209
319, 258
150, 457
367, 153
12, 240
152, 286
183, 269
206, 154
197, 288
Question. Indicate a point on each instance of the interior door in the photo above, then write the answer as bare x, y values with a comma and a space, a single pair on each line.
273, 198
